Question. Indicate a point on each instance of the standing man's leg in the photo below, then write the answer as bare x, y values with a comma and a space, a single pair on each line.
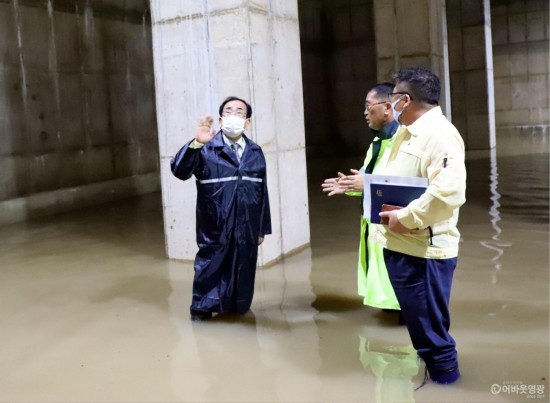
206, 281
423, 289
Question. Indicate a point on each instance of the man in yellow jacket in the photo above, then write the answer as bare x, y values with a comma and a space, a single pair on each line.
421, 240
373, 283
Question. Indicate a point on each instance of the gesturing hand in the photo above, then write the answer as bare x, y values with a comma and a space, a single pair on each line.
352, 183
332, 186
204, 132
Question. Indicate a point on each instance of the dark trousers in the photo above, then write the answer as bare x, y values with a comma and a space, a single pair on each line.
423, 289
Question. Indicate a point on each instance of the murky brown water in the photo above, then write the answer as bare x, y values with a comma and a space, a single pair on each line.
93, 312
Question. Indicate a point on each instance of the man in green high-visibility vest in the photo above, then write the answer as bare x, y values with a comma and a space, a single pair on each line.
373, 283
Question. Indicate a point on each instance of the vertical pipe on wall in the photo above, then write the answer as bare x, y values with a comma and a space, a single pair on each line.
490, 72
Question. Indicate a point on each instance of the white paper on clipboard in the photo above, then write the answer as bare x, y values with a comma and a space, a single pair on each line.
390, 180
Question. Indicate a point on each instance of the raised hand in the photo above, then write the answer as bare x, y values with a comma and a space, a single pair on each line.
204, 132
332, 186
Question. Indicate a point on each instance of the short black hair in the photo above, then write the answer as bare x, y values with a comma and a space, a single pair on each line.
232, 98
382, 90
422, 84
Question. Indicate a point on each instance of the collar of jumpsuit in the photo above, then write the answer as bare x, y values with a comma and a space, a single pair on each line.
237, 146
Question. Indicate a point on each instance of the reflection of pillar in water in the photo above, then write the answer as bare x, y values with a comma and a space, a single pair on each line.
495, 243
286, 331
189, 376
216, 360
394, 368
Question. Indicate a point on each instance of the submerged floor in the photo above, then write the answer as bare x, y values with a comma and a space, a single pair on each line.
93, 312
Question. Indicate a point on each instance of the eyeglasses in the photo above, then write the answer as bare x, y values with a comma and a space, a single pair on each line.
391, 94
240, 113
368, 106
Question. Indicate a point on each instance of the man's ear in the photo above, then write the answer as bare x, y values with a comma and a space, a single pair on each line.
407, 101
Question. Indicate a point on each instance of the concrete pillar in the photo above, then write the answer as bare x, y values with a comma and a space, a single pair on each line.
471, 66
205, 51
412, 33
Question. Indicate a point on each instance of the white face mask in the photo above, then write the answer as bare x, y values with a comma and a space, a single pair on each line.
396, 114
233, 126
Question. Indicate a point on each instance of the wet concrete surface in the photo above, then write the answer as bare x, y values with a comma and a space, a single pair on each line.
92, 311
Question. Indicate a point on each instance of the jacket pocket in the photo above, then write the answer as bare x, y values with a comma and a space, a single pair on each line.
410, 150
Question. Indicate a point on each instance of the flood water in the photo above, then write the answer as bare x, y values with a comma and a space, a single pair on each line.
92, 311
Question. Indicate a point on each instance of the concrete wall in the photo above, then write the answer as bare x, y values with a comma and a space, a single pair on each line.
77, 110
338, 67
520, 30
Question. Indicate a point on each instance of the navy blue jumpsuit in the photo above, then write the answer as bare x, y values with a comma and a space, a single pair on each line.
232, 212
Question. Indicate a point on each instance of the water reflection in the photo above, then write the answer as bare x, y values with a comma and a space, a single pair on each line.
523, 164
272, 346
394, 368
229, 359
495, 243
208, 361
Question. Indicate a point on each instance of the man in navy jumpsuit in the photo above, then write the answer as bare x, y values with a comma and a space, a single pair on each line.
232, 211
